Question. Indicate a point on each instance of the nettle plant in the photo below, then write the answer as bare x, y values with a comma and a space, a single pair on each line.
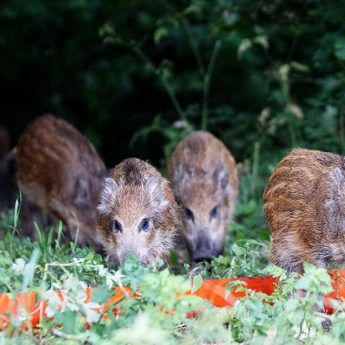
159, 314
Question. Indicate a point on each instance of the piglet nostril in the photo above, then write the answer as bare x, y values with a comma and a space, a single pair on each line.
199, 259
203, 243
202, 254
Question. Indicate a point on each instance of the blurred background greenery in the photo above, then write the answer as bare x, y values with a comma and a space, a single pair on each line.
136, 76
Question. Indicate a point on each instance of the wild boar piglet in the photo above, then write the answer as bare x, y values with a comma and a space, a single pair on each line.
137, 213
59, 170
204, 177
8, 185
304, 203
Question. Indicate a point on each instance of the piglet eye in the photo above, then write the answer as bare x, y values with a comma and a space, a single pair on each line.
214, 212
116, 226
144, 225
188, 214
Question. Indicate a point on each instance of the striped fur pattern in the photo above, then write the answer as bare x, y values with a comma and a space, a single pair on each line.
59, 170
204, 177
137, 213
304, 203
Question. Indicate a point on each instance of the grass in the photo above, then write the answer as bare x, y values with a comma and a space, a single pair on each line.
47, 264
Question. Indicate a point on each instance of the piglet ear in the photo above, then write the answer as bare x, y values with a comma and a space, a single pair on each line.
179, 174
107, 194
156, 194
181, 179
221, 178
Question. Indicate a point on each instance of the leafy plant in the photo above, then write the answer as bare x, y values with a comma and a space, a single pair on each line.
264, 76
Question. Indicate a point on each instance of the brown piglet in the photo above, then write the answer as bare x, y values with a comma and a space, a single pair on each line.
137, 213
304, 203
204, 177
59, 170
8, 185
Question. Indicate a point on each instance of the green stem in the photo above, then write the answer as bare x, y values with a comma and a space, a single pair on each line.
134, 47
292, 48
194, 47
192, 42
173, 99
207, 80
255, 167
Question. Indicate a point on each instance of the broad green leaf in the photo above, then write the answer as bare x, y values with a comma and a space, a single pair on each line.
101, 294
159, 34
339, 48
68, 321
197, 282
237, 284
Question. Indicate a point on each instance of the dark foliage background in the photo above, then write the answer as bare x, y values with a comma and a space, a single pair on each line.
135, 76
263, 75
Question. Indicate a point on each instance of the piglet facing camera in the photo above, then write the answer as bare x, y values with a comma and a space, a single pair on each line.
137, 213
204, 177
304, 203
